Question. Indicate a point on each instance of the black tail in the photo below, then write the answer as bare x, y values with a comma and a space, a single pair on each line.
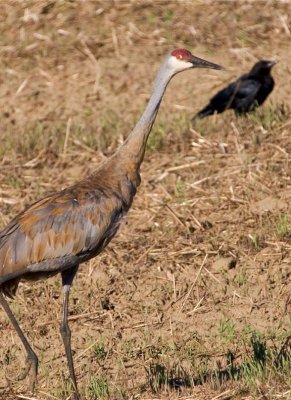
205, 112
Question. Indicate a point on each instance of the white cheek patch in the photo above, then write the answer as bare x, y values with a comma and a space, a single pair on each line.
179, 65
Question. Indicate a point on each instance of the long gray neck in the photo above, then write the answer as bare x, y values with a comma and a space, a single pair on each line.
134, 147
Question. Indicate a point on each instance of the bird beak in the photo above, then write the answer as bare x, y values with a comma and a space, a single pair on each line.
271, 64
200, 63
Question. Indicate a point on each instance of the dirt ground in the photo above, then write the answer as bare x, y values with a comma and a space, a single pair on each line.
191, 300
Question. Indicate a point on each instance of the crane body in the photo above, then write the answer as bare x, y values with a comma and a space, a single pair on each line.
63, 230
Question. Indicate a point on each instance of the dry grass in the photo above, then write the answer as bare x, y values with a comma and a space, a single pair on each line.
192, 299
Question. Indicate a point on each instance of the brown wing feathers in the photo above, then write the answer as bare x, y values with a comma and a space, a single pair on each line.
59, 228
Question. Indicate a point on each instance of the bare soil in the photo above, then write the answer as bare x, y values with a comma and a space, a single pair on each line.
192, 299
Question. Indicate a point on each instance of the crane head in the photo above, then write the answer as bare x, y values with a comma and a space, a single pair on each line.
182, 59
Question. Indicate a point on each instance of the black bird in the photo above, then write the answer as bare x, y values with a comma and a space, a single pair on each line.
245, 94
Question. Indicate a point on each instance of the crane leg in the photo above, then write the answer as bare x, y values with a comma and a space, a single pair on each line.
67, 278
31, 360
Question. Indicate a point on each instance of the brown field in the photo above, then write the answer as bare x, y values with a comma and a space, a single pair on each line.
192, 299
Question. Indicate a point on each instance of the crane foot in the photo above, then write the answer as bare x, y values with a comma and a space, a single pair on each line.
30, 368
76, 396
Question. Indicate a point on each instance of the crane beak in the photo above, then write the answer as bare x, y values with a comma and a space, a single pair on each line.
200, 63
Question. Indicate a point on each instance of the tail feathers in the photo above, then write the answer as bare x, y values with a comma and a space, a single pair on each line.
205, 112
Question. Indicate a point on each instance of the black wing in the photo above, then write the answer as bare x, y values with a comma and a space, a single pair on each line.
239, 95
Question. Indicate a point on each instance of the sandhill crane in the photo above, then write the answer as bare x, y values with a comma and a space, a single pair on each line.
245, 94
61, 231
